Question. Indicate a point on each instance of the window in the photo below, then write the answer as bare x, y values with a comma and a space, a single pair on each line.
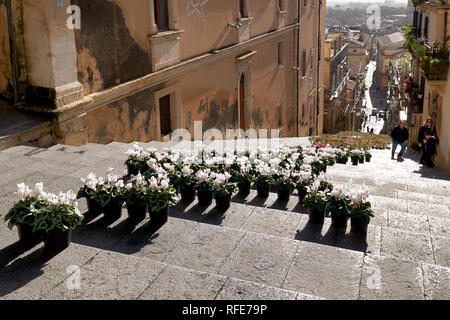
161, 14
312, 59
415, 19
304, 63
425, 28
420, 25
281, 5
305, 3
280, 54
303, 111
164, 115
242, 9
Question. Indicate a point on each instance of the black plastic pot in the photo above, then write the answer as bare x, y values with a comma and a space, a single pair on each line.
187, 193
205, 198
368, 158
263, 190
27, 236
355, 162
302, 194
244, 188
342, 161
159, 217
359, 225
339, 220
315, 216
361, 160
132, 170
93, 206
223, 202
284, 195
137, 211
58, 240
113, 210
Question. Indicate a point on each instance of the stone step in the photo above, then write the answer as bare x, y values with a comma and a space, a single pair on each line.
251, 267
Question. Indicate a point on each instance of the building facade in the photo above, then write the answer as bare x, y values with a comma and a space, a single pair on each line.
389, 48
128, 71
430, 94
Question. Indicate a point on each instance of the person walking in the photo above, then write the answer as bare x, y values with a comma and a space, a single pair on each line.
429, 144
427, 126
400, 135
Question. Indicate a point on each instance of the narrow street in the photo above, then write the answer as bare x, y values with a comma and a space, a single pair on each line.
375, 98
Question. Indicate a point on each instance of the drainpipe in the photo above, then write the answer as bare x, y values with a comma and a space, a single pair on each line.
12, 49
296, 48
319, 46
445, 28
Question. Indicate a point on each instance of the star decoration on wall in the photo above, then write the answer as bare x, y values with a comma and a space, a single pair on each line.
195, 6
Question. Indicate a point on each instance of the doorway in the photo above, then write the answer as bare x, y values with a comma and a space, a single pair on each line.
242, 102
164, 115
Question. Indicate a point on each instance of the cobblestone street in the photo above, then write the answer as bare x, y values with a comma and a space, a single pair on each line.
257, 250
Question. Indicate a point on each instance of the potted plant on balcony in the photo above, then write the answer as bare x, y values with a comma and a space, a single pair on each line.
135, 196
136, 160
205, 187
316, 202
361, 211
338, 205
223, 190
161, 195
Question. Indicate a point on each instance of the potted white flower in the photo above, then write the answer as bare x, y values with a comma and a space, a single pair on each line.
264, 179
45, 216
316, 202
223, 190
161, 195
205, 187
339, 206
136, 159
361, 210
88, 191
243, 174
135, 195
187, 184
20, 214
304, 179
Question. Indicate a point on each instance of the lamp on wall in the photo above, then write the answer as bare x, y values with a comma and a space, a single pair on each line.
236, 25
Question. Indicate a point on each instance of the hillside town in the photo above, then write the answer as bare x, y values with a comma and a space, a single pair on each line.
224, 150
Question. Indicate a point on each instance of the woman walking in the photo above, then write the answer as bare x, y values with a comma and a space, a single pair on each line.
428, 126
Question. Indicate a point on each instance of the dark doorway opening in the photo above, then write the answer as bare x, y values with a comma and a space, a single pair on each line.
164, 115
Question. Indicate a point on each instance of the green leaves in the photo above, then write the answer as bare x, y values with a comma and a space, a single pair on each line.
43, 215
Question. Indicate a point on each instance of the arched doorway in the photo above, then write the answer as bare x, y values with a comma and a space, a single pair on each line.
242, 102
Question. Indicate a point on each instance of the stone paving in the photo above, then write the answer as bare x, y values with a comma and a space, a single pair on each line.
259, 249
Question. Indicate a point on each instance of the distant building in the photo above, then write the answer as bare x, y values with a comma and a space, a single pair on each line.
389, 48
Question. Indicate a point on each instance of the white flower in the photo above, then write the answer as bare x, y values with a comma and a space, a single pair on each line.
23, 191
119, 184
129, 186
187, 171
38, 190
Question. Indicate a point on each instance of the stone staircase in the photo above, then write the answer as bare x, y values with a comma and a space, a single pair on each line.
257, 250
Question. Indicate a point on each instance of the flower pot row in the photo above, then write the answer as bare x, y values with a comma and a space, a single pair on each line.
136, 211
358, 225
